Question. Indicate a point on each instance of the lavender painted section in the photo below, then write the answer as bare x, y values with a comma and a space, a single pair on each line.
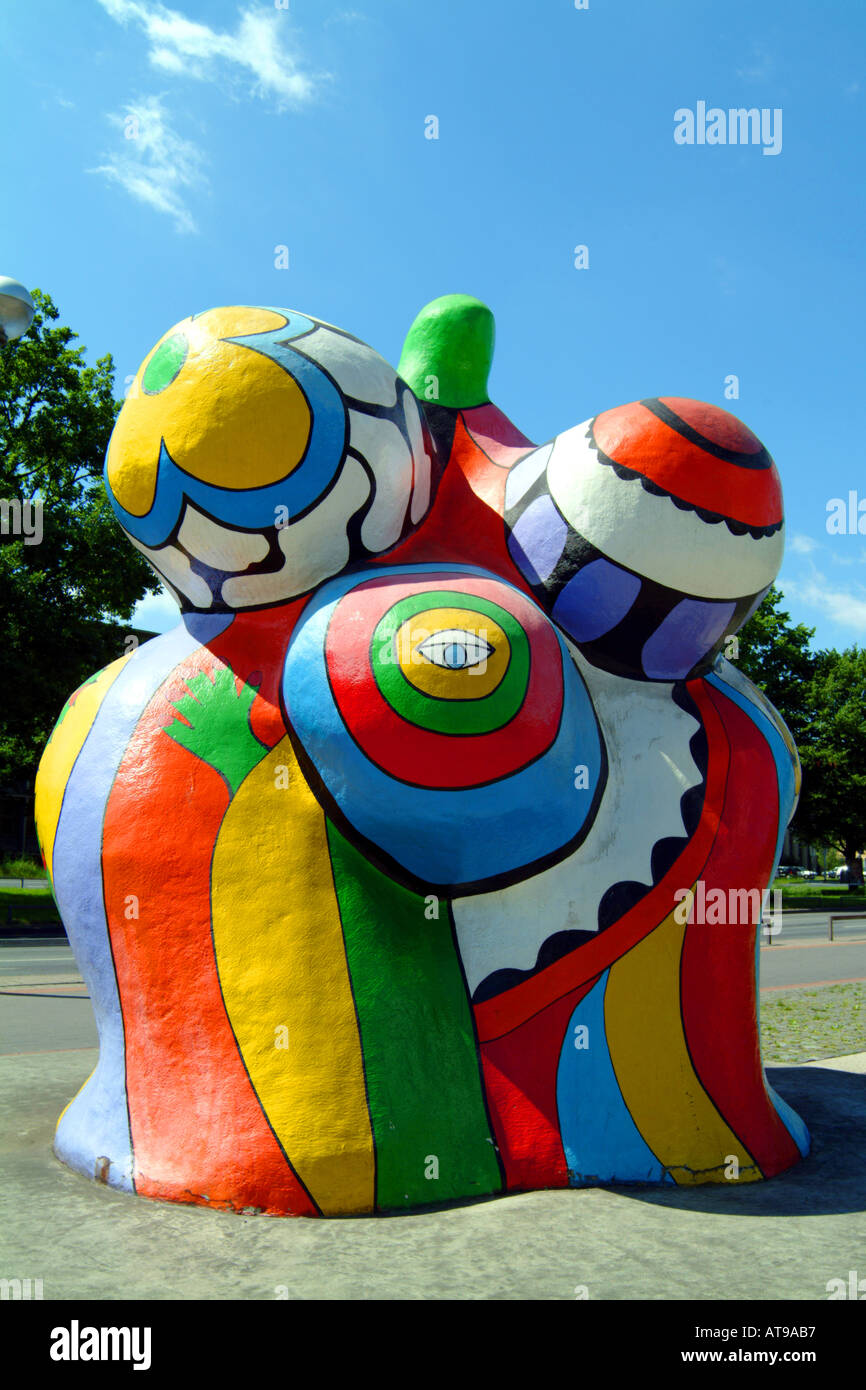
687, 634
595, 600
524, 474
537, 539
96, 1123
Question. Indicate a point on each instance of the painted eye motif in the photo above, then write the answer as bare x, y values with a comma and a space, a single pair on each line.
455, 649
427, 696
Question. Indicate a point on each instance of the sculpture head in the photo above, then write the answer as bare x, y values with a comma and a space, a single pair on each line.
260, 451
382, 867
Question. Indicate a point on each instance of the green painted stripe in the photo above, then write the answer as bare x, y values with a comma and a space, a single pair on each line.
420, 1053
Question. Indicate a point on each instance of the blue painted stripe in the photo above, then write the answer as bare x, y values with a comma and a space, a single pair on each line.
96, 1123
790, 1119
601, 1140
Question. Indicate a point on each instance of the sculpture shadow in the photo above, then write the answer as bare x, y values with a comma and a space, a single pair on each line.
829, 1181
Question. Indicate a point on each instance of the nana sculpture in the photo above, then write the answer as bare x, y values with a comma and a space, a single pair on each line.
382, 866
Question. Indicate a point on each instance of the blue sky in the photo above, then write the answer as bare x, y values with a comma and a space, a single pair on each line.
260, 125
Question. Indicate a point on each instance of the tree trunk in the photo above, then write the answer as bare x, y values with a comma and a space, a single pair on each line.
855, 868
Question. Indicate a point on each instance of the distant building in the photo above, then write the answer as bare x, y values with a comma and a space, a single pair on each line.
800, 855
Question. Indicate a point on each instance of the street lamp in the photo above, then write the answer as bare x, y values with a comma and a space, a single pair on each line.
16, 310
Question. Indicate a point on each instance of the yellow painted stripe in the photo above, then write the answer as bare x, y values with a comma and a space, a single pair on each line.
62, 749
658, 1082
282, 966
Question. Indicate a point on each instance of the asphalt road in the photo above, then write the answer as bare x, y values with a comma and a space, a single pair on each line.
44, 1007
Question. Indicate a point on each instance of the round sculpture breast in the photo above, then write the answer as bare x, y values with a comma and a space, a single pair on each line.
650, 533
428, 699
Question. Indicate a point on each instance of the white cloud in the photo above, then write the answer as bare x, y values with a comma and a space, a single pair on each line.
260, 47
802, 545
155, 164
156, 613
760, 65
847, 607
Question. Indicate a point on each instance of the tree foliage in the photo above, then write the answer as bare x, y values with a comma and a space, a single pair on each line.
833, 754
822, 698
58, 597
776, 654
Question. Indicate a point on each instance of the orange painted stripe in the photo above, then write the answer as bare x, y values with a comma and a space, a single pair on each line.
634, 437
199, 1134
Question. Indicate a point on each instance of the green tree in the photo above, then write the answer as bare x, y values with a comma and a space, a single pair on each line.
832, 809
58, 597
776, 654
822, 698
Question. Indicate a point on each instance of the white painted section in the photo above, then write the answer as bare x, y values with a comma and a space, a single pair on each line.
358, 370
423, 464
316, 547
649, 534
174, 566
525, 473
650, 766
218, 546
386, 451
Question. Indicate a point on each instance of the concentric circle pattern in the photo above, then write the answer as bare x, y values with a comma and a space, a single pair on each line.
466, 679
429, 698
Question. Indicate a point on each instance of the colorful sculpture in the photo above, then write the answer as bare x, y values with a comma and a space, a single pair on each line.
378, 866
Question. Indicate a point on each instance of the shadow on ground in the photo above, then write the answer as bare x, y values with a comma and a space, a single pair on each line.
830, 1181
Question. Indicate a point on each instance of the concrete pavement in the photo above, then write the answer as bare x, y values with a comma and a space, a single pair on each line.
783, 1239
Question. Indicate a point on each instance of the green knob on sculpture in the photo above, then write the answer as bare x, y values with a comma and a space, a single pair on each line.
448, 352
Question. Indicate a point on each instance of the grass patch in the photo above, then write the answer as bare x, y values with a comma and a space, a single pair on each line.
804, 888
27, 906
802, 1025
22, 868
819, 897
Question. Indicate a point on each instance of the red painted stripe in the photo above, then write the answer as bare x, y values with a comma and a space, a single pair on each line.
717, 972
465, 523
634, 437
716, 425
520, 1072
500, 440
242, 646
